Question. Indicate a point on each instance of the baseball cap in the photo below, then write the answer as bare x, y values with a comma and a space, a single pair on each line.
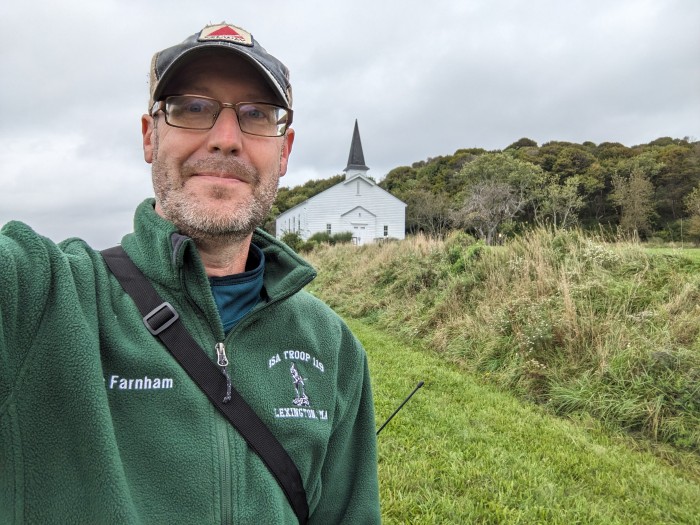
220, 37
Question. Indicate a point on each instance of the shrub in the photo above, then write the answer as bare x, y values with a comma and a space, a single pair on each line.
320, 237
341, 238
336, 238
293, 240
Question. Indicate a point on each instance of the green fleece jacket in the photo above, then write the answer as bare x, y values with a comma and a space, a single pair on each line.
99, 424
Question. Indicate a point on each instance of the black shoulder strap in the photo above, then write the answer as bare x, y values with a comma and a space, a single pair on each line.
163, 321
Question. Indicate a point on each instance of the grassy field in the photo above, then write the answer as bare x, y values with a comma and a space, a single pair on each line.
581, 327
465, 452
691, 253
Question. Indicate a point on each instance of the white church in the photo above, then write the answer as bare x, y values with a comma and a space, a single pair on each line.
354, 205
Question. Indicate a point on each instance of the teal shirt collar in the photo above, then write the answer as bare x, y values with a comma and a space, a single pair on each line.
236, 295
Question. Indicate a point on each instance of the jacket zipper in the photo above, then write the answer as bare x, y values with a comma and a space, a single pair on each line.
223, 439
225, 473
224, 445
222, 361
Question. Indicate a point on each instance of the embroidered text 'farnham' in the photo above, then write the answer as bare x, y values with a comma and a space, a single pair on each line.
145, 383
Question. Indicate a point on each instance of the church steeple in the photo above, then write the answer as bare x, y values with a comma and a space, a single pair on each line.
356, 159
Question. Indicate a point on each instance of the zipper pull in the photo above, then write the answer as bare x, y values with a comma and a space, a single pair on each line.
221, 358
222, 361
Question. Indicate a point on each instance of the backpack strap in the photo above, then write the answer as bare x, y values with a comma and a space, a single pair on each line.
163, 321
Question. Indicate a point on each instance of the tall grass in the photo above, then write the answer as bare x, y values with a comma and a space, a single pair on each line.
560, 318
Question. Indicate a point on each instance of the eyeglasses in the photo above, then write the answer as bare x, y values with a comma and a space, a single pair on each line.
198, 112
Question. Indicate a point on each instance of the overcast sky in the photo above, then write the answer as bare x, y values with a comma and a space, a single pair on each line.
422, 78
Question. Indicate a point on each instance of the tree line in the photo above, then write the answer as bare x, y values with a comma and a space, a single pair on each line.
649, 190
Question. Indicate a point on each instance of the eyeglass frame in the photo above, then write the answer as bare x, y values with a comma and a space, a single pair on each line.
159, 105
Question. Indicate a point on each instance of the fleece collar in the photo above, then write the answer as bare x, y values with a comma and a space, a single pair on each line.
170, 259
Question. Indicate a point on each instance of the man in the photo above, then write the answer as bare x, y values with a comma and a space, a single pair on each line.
98, 422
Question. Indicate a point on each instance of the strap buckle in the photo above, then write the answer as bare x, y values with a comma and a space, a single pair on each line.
160, 318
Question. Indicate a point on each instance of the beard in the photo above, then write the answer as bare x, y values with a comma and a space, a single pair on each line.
225, 214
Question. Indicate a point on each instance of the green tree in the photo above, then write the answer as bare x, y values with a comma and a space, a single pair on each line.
400, 181
692, 202
679, 173
634, 195
523, 143
571, 161
692, 205
613, 150
524, 177
563, 201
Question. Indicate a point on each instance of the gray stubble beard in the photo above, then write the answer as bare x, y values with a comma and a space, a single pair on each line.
192, 219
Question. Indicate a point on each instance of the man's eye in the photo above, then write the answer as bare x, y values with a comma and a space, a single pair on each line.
253, 113
194, 107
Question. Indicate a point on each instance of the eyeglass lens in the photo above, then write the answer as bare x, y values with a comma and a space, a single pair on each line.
256, 118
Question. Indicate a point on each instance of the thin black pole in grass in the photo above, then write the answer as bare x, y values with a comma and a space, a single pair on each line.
420, 384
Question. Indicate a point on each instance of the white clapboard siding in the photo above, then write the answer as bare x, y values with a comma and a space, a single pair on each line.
356, 205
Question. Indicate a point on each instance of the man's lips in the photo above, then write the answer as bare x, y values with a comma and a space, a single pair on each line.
225, 178
220, 171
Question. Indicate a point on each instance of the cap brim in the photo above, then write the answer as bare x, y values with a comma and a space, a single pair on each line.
188, 56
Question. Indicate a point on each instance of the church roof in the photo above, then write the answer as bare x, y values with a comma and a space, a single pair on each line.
356, 159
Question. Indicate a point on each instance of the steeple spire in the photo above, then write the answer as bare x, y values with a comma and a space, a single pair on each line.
356, 159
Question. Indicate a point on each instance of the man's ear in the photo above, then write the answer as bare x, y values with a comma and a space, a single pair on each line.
148, 130
286, 150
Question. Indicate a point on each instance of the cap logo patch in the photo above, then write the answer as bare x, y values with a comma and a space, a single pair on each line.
227, 33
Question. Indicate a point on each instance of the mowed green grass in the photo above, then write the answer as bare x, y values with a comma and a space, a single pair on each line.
691, 253
462, 452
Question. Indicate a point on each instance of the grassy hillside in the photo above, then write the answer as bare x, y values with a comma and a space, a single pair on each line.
582, 328
464, 452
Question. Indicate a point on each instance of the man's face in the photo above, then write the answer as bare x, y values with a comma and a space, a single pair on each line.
221, 182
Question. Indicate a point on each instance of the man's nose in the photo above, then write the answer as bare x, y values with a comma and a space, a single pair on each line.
226, 135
